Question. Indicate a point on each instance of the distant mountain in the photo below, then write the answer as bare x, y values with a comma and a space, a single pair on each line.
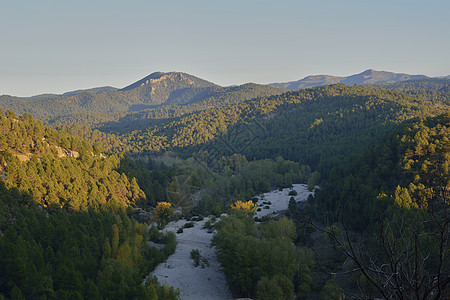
309, 81
367, 77
154, 91
430, 84
167, 88
96, 90
175, 78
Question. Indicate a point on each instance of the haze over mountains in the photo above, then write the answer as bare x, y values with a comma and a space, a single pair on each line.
150, 83
157, 89
367, 77
175, 90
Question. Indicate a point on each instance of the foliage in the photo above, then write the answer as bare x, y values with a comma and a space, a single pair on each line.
292, 193
61, 171
88, 254
246, 207
409, 168
248, 258
313, 180
160, 96
421, 86
195, 255
331, 291
239, 180
282, 125
164, 212
152, 178
278, 287
157, 291
397, 193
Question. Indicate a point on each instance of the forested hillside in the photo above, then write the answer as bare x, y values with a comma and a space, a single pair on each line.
431, 84
68, 193
397, 196
84, 255
58, 170
387, 214
409, 167
152, 93
64, 231
319, 127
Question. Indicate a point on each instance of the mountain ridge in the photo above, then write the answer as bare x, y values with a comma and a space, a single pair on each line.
369, 76
155, 90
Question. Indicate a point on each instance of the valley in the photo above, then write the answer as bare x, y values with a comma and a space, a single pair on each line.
206, 281
283, 190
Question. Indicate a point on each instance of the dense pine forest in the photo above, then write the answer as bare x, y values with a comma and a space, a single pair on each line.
319, 127
84, 174
396, 196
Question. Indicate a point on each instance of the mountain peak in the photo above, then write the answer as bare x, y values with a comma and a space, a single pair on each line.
161, 77
368, 72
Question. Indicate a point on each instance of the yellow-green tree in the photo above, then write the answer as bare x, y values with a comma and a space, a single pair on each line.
245, 207
164, 211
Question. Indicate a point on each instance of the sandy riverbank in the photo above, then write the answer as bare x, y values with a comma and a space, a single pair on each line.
179, 270
208, 282
279, 200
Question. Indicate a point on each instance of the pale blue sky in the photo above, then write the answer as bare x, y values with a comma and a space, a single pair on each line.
54, 46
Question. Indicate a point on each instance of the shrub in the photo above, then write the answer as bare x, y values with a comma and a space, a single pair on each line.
189, 225
208, 225
195, 255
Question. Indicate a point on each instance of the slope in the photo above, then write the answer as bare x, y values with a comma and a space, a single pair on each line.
152, 92
396, 196
319, 126
367, 77
60, 171
429, 84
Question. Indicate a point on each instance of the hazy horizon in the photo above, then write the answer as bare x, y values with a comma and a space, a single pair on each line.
56, 47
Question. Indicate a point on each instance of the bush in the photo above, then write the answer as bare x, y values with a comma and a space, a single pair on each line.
154, 234
208, 225
189, 225
311, 199
195, 255
196, 218
171, 243
331, 291
293, 193
279, 287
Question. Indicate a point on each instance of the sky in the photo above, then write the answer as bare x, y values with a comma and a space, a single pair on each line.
55, 46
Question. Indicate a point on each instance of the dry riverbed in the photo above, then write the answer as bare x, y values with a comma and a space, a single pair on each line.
202, 282
206, 281
277, 201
